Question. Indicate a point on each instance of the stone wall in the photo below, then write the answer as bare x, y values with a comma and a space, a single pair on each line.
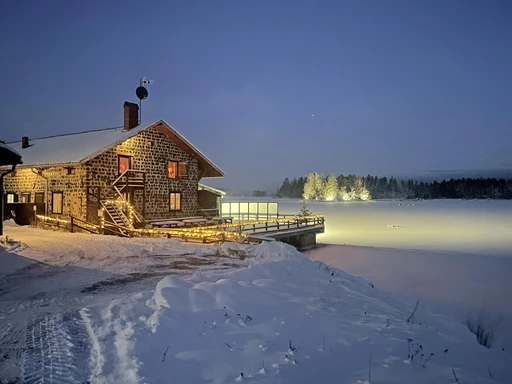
69, 182
150, 151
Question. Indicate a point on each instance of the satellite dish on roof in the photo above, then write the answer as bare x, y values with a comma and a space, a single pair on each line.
141, 92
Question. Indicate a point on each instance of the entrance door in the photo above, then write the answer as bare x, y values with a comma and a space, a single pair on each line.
40, 205
93, 204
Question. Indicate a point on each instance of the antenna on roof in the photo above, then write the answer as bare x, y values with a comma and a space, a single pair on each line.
142, 93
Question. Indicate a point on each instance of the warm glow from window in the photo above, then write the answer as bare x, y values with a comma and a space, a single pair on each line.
57, 202
10, 198
177, 169
172, 169
124, 163
175, 201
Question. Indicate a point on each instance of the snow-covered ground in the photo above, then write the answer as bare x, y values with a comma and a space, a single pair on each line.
47, 278
77, 308
284, 319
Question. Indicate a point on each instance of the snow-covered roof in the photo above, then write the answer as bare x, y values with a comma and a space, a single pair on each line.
9, 155
216, 191
75, 148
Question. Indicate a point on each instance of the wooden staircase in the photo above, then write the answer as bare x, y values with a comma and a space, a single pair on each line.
115, 205
117, 215
112, 208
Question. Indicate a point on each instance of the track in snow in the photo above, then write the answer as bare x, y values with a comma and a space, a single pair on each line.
56, 349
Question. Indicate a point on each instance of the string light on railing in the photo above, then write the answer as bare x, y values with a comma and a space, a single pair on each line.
54, 219
213, 232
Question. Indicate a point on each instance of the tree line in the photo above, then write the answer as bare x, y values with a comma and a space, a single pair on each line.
352, 187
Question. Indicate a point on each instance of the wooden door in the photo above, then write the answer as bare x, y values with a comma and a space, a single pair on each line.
93, 204
40, 204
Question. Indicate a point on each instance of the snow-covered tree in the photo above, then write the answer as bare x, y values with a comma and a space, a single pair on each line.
360, 192
343, 194
314, 186
364, 194
331, 188
304, 209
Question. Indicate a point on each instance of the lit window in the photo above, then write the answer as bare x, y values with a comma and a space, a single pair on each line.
124, 163
57, 202
172, 169
175, 201
10, 198
177, 169
25, 198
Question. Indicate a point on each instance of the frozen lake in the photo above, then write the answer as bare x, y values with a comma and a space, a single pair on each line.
481, 227
453, 255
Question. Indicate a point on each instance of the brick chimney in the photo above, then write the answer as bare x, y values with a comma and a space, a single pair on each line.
25, 142
131, 115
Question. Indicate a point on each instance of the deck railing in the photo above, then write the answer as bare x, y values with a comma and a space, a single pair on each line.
237, 231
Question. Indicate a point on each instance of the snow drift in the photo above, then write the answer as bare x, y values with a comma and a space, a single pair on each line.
283, 319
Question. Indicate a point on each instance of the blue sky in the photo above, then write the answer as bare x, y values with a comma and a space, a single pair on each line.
269, 89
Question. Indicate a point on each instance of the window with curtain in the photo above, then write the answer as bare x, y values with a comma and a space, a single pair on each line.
57, 202
10, 197
177, 170
175, 201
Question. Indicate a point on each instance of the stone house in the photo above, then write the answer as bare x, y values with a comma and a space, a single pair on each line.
133, 173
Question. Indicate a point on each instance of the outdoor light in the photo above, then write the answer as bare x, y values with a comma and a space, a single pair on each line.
219, 232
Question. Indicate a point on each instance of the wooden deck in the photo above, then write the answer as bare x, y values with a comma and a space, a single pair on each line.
297, 231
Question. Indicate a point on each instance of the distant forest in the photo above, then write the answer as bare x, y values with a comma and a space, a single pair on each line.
352, 187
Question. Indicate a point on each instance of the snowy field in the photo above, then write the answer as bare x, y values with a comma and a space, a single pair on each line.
79, 308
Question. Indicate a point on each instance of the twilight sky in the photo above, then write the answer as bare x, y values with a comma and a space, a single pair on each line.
269, 89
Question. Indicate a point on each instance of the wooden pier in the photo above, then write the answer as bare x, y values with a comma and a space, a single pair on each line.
297, 231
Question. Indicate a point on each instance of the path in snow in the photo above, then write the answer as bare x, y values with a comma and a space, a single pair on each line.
56, 348
48, 278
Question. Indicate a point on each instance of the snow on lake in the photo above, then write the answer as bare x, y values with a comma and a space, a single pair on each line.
481, 227
453, 255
